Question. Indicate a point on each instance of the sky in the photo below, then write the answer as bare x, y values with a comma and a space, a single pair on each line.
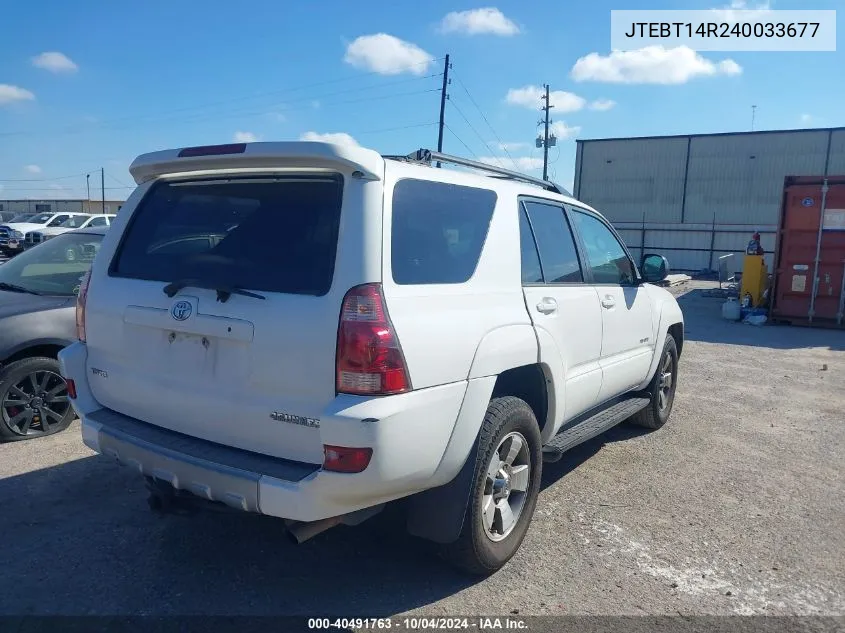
92, 84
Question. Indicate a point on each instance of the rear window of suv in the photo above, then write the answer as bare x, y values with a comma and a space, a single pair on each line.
271, 234
438, 231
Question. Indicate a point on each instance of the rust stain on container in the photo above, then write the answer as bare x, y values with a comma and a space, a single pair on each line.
809, 291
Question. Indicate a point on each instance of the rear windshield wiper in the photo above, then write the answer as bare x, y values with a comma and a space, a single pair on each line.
16, 288
223, 292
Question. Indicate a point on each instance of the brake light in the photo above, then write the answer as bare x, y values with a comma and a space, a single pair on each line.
341, 459
81, 300
369, 357
213, 150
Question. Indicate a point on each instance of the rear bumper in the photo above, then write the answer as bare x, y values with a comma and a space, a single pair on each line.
409, 435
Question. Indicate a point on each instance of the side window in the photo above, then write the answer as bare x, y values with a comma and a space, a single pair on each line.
101, 221
438, 231
558, 255
58, 220
606, 256
531, 271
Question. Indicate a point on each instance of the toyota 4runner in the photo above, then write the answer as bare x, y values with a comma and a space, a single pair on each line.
311, 331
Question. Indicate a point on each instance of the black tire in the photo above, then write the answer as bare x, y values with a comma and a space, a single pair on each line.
32, 391
656, 414
475, 552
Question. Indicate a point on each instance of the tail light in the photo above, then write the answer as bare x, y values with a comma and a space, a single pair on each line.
369, 358
341, 459
81, 299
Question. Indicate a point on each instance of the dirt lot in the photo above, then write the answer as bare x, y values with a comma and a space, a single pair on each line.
737, 506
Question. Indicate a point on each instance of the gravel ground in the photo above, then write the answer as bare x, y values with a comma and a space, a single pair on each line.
737, 506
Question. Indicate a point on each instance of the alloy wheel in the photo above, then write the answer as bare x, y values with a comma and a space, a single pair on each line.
506, 486
35, 403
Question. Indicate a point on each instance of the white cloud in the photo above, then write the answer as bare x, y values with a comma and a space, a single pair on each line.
387, 55
520, 163
32, 169
562, 131
602, 105
55, 62
56, 187
650, 65
529, 97
10, 94
477, 21
507, 147
338, 138
806, 118
739, 10
244, 137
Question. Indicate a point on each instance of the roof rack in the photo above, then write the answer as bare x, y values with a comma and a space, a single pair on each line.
428, 156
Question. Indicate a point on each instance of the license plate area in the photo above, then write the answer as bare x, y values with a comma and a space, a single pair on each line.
190, 352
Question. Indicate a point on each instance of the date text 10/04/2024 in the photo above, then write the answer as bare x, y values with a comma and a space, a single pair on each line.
420, 623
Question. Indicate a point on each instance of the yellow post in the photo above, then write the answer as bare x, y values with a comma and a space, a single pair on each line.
754, 280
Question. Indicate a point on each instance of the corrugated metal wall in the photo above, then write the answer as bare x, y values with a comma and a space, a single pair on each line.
702, 196
740, 177
627, 179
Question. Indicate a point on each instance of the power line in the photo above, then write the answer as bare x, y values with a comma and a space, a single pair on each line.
120, 182
41, 179
125, 186
135, 118
477, 107
481, 138
395, 129
310, 99
60, 189
446, 125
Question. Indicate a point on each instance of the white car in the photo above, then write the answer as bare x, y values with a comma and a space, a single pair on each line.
311, 331
12, 234
33, 238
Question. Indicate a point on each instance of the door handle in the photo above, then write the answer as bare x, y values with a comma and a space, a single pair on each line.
608, 301
547, 305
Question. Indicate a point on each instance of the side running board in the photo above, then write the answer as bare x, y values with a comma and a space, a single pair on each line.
592, 426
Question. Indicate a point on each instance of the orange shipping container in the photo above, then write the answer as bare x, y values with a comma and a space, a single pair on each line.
809, 281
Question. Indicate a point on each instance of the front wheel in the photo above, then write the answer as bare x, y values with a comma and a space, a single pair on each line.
505, 488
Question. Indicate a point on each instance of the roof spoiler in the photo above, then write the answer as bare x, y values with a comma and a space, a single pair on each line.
368, 164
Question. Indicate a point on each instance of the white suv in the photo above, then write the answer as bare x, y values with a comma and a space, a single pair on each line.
310, 331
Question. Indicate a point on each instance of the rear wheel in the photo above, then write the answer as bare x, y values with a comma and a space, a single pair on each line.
33, 399
505, 488
661, 389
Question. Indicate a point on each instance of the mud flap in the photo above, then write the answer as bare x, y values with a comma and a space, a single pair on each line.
438, 514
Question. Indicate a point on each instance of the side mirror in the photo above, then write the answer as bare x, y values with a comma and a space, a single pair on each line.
654, 268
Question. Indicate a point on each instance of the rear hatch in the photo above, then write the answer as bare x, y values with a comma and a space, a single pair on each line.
217, 313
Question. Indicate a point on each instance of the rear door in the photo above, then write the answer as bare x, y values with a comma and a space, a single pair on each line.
254, 371
627, 342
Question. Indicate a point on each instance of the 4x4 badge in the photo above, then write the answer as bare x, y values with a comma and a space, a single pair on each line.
181, 310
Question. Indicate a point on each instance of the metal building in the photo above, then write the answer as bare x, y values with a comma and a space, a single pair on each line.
695, 198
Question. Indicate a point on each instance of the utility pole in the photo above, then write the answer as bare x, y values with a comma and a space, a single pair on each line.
753, 116
547, 140
103, 185
88, 187
443, 97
